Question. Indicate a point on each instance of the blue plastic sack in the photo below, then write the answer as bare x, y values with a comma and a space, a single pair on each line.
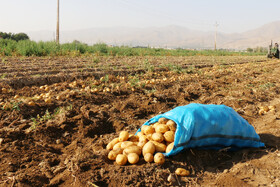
209, 127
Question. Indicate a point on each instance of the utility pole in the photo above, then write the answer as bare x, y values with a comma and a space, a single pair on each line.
57, 24
216, 25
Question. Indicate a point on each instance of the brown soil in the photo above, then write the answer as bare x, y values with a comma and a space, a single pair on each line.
62, 143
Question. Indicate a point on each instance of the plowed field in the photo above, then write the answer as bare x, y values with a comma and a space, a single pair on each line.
58, 114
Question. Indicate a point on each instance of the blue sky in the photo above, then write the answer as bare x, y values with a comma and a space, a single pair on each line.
232, 16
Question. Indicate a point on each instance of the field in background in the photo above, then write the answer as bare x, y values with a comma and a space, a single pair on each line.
75, 49
58, 114
20, 72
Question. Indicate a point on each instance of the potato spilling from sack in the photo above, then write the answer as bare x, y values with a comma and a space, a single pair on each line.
150, 142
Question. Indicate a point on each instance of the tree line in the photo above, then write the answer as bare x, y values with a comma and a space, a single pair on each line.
17, 37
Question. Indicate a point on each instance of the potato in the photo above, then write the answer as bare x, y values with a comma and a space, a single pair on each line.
112, 143
148, 157
261, 112
139, 134
158, 137
149, 148
133, 138
121, 159
124, 135
169, 136
143, 128
172, 125
126, 144
141, 144
149, 136
160, 147
156, 124
114, 153
182, 172
31, 103
169, 147
271, 107
162, 128
162, 120
133, 158
265, 108
117, 145
159, 158
132, 149
143, 138
147, 129
16, 96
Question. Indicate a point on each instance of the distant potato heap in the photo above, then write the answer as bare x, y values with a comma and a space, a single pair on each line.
151, 142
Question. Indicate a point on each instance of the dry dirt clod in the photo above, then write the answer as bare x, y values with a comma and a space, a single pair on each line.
1, 140
171, 178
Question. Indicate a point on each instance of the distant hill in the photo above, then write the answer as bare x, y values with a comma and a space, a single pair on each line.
170, 36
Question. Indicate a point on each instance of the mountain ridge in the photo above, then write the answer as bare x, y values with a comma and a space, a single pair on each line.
172, 36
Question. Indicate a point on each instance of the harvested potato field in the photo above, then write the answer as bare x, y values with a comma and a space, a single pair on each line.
58, 115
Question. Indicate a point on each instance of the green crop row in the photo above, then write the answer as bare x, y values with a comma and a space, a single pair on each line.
30, 48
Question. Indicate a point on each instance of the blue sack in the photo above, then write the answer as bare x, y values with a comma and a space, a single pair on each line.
209, 127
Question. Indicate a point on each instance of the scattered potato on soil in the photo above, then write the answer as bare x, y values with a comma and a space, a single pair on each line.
31, 103
182, 172
265, 108
133, 158
159, 158
261, 112
124, 135
16, 96
121, 159
272, 107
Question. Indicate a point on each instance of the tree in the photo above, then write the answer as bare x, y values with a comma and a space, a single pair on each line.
20, 36
16, 37
250, 50
5, 35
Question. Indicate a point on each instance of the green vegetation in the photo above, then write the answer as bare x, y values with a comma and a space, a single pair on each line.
9, 47
16, 37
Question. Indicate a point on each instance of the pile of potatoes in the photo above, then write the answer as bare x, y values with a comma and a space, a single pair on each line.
151, 142
264, 109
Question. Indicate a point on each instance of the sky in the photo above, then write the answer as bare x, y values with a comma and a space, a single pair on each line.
232, 16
